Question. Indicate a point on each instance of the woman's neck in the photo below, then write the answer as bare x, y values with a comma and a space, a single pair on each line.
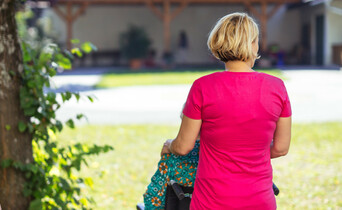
238, 66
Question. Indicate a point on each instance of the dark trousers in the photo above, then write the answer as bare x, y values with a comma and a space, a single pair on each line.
173, 203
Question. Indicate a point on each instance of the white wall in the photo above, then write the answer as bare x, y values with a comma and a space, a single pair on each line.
334, 35
102, 25
284, 28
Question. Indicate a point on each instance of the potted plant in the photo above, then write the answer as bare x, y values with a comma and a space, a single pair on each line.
134, 45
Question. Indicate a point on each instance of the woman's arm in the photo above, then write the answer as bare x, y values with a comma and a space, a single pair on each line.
282, 138
186, 138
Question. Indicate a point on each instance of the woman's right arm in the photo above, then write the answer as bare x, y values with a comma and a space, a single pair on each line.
282, 138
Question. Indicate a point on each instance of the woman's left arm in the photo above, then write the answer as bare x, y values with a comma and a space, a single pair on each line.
186, 138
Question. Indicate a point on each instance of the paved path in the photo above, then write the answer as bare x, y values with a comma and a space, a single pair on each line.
316, 96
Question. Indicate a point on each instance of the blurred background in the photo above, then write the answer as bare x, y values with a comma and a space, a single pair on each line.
147, 53
293, 32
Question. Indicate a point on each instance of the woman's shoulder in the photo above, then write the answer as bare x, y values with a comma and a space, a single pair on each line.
271, 78
209, 77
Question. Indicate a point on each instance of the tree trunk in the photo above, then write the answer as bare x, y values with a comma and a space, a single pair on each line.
13, 144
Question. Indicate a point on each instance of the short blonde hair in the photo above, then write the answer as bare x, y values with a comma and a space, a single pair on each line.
232, 37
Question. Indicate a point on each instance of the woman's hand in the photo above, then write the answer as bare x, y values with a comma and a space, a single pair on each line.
166, 147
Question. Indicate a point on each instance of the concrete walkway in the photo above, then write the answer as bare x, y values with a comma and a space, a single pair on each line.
316, 96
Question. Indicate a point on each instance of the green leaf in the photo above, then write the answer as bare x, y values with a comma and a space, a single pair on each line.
22, 126
29, 111
90, 99
19, 165
12, 73
62, 61
77, 95
28, 192
52, 71
51, 96
87, 47
84, 202
31, 84
70, 123
107, 148
8, 127
44, 58
59, 125
89, 181
68, 54
33, 168
75, 41
6, 163
80, 116
77, 51
68, 95
36, 204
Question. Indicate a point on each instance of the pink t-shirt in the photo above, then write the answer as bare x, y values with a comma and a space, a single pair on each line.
239, 111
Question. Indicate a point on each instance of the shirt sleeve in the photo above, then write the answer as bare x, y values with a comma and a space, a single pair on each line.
193, 105
287, 111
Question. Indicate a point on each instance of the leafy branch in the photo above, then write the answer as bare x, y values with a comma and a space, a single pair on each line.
51, 178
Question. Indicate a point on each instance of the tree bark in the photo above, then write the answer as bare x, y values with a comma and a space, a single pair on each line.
13, 144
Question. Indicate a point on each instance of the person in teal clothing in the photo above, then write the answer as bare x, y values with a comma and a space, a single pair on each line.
181, 169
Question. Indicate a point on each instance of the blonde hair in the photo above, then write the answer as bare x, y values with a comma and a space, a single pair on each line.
232, 37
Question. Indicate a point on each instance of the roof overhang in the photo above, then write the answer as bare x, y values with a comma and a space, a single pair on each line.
123, 2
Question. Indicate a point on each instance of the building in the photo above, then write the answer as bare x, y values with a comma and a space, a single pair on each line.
302, 32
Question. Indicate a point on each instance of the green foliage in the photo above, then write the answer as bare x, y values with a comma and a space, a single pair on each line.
134, 43
51, 178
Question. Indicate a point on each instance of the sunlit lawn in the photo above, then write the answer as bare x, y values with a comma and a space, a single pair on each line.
160, 78
309, 177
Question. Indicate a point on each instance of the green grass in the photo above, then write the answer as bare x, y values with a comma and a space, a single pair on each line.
159, 78
309, 177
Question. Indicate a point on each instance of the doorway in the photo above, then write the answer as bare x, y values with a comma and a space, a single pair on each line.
319, 40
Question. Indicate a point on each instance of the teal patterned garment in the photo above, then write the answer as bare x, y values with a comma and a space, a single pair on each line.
182, 169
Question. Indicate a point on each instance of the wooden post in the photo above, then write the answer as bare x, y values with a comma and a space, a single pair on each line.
263, 22
69, 22
166, 16
167, 21
263, 18
69, 19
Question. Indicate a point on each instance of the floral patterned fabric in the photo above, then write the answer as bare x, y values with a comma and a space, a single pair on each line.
181, 169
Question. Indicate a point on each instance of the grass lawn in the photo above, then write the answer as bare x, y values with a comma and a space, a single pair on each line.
159, 78
309, 177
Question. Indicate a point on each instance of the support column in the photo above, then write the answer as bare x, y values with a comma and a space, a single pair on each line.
166, 16
166, 22
263, 22
69, 18
69, 21
263, 17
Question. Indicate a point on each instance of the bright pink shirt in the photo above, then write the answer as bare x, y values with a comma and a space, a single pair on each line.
239, 111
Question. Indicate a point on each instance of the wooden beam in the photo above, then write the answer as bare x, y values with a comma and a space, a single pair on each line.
127, 2
80, 11
252, 10
69, 18
179, 9
166, 16
274, 10
69, 22
263, 22
167, 23
60, 13
154, 9
263, 17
